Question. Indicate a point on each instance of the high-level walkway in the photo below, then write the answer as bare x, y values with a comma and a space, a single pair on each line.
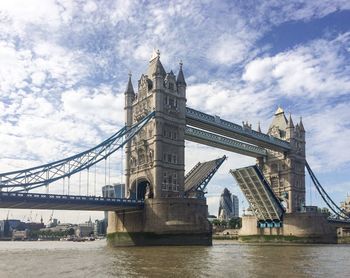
217, 125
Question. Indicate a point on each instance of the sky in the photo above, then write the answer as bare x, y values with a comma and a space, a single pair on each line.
64, 67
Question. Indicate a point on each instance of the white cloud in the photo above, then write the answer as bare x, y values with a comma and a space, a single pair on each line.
277, 12
61, 71
308, 70
90, 7
231, 49
32, 67
230, 102
94, 106
122, 10
327, 133
38, 78
22, 14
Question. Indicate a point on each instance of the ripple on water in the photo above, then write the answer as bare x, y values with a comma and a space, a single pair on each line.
223, 259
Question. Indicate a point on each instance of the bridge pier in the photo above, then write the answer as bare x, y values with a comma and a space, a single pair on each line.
307, 227
171, 221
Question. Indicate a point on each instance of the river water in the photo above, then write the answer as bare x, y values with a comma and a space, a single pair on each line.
223, 259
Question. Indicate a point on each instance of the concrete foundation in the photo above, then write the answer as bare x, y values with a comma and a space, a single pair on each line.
170, 221
310, 227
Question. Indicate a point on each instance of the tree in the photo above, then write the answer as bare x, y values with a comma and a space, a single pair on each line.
216, 222
235, 223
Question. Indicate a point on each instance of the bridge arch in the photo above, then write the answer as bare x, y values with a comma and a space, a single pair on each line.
141, 189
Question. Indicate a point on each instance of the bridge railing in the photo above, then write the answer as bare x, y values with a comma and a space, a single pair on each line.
41, 196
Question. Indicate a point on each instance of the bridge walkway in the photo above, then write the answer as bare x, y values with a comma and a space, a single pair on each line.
19, 200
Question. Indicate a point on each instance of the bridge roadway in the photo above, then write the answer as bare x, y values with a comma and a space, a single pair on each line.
195, 118
12, 200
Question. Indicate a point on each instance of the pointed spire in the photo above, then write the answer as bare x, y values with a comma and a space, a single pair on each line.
259, 128
180, 77
290, 121
279, 110
155, 66
301, 125
129, 87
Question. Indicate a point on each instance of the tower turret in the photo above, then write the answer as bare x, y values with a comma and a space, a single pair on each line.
301, 126
180, 81
129, 95
259, 128
156, 71
129, 98
290, 128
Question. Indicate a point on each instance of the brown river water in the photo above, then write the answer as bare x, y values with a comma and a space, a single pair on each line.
223, 259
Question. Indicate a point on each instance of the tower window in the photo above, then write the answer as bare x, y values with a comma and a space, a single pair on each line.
174, 158
164, 187
171, 86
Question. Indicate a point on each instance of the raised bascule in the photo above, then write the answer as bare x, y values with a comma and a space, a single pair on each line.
163, 206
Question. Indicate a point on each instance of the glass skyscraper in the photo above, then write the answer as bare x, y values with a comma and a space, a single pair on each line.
229, 206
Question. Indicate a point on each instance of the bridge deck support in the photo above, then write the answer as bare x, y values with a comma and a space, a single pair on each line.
308, 227
171, 221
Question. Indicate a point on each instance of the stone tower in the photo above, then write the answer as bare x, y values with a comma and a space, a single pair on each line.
155, 167
286, 171
155, 157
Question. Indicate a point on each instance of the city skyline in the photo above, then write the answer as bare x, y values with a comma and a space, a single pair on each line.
65, 68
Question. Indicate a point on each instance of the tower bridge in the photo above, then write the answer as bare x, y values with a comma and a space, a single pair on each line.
163, 205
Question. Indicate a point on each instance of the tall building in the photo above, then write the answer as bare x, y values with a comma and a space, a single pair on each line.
228, 207
235, 206
117, 190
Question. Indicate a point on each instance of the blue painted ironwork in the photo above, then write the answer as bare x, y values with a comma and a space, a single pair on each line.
214, 140
339, 213
201, 174
27, 179
65, 202
215, 124
264, 203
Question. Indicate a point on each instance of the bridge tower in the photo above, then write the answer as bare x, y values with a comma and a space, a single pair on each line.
286, 171
155, 157
155, 167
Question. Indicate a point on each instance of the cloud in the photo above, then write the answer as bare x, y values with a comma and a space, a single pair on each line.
90, 7
327, 129
308, 70
33, 11
64, 65
228, 50
232, 103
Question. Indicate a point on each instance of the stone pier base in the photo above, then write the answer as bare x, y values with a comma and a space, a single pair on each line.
171, 221
311, 227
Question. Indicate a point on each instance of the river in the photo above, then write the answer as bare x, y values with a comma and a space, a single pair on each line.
224, 259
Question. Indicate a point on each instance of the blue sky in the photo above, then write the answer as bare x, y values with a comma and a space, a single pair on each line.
64, 67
